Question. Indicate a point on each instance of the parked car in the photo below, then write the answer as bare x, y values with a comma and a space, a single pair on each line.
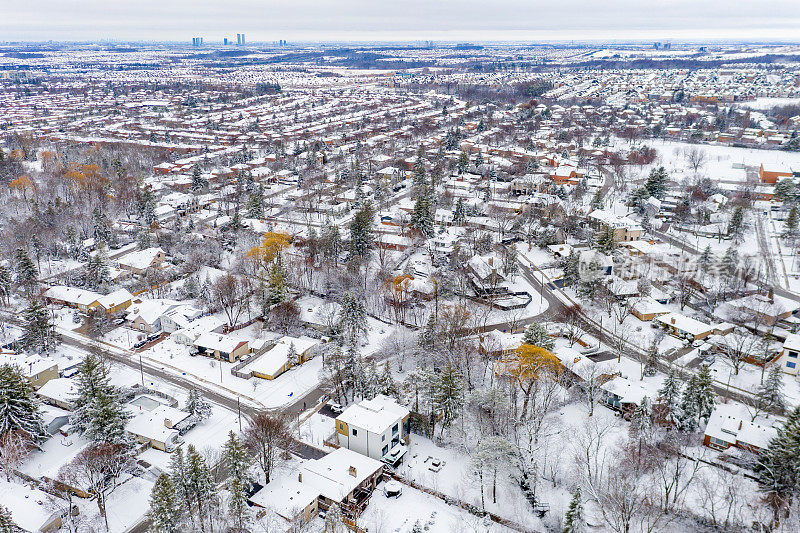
335, 408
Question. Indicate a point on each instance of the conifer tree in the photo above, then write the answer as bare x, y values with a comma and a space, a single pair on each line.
770, 393
18, 408
736, 223
386, 384
687, 417
165, 511
237, 464
704, 393
777, 467
459, 214
5, 285
792, 221
200, 485
7, 524
362, 239
448, 395
197, 405
27, 275
180, 483
574, 522
353, 319
98, 408
536, 335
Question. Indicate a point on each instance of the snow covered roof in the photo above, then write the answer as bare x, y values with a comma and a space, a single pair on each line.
337, 474
375, 415
141, 259
731, 423
685, 324
218, 341
28, 506
72, 295
286, 496
116, 298
59, 389
153, 424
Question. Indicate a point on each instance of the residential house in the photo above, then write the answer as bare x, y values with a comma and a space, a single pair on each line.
789, 356
221, 346
60, 392
156, 427
731, 425
625, 229
286, 353
139, 261
378, 428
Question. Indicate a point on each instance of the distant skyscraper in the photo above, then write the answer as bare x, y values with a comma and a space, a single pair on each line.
240, 39
225, 41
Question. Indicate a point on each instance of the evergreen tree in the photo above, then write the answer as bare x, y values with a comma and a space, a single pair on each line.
198, 182
770, 393
706, 259
362, 239
606, 240
97, 272
570, 266
18, 408
38, 329
641, 420
463, 162
459, 214
670, 392
276, 285
730, 262
574, 521
704, 393
197, 405
7, 524
255, 204
656, 184
237, 464
736, 223
27, 275
791, 222
5, 285
536, 335
165, 511
422, 218
448, 395
386, 384
686, 420
353, 319
180, 483
778, 469
651, 360
199, 485
98, 408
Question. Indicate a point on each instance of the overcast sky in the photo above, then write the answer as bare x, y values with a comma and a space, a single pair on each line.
395, 20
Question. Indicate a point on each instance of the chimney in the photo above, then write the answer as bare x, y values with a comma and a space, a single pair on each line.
353, 472
672, 320
771, 295
300, 477
168, 423
491, 260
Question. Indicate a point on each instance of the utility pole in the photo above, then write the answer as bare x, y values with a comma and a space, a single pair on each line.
239, 410
141, 368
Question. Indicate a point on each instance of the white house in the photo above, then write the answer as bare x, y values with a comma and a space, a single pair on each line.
789, 356
377, 428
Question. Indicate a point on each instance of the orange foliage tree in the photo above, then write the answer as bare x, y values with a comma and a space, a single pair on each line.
528, 365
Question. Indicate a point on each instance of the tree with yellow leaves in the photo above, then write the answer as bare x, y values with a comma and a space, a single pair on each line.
528, 366
22, 185
269, 251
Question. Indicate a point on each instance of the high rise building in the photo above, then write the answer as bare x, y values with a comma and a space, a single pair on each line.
240, 39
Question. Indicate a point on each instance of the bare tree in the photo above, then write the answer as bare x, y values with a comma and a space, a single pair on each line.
230, 294
266, 435
695, 158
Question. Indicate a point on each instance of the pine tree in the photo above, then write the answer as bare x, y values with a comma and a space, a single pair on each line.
669, 395
18, 408
98, 408
448, 395
165, 511
5, 285
353, 319
651, 360
197, 405
459, 214
422, 216
770, 393
706, 259
198, 183
656, 184
386, 384
574, 522
791, 222
255, 204
704, 393
38, 330
687, 417
27, 275
362, 239
97, 272
536, 335
7, 524
276, 286
641, 420
777, 467
237, 464
199, 484
736, 223
606, 240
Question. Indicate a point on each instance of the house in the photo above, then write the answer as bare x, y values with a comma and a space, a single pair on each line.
286, 353
496, 343
146, 315
221, 346
483, 273
60, 392
28, 508
378, 428
342, 477
80, 299
582, 369
625, 229
622, 394
115, 302
179, 317
647, 308
771, 173
730, 425
789, 355
205, 324
139, 261
157, 427
318, 313
684, 326
37, 370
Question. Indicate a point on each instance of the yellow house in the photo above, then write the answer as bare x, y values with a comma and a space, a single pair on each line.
221, 346
286, 353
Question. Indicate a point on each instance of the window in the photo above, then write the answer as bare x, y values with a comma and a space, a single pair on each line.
395, 428
792, 354
791, 364
355, 432
385, 449
718, 442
